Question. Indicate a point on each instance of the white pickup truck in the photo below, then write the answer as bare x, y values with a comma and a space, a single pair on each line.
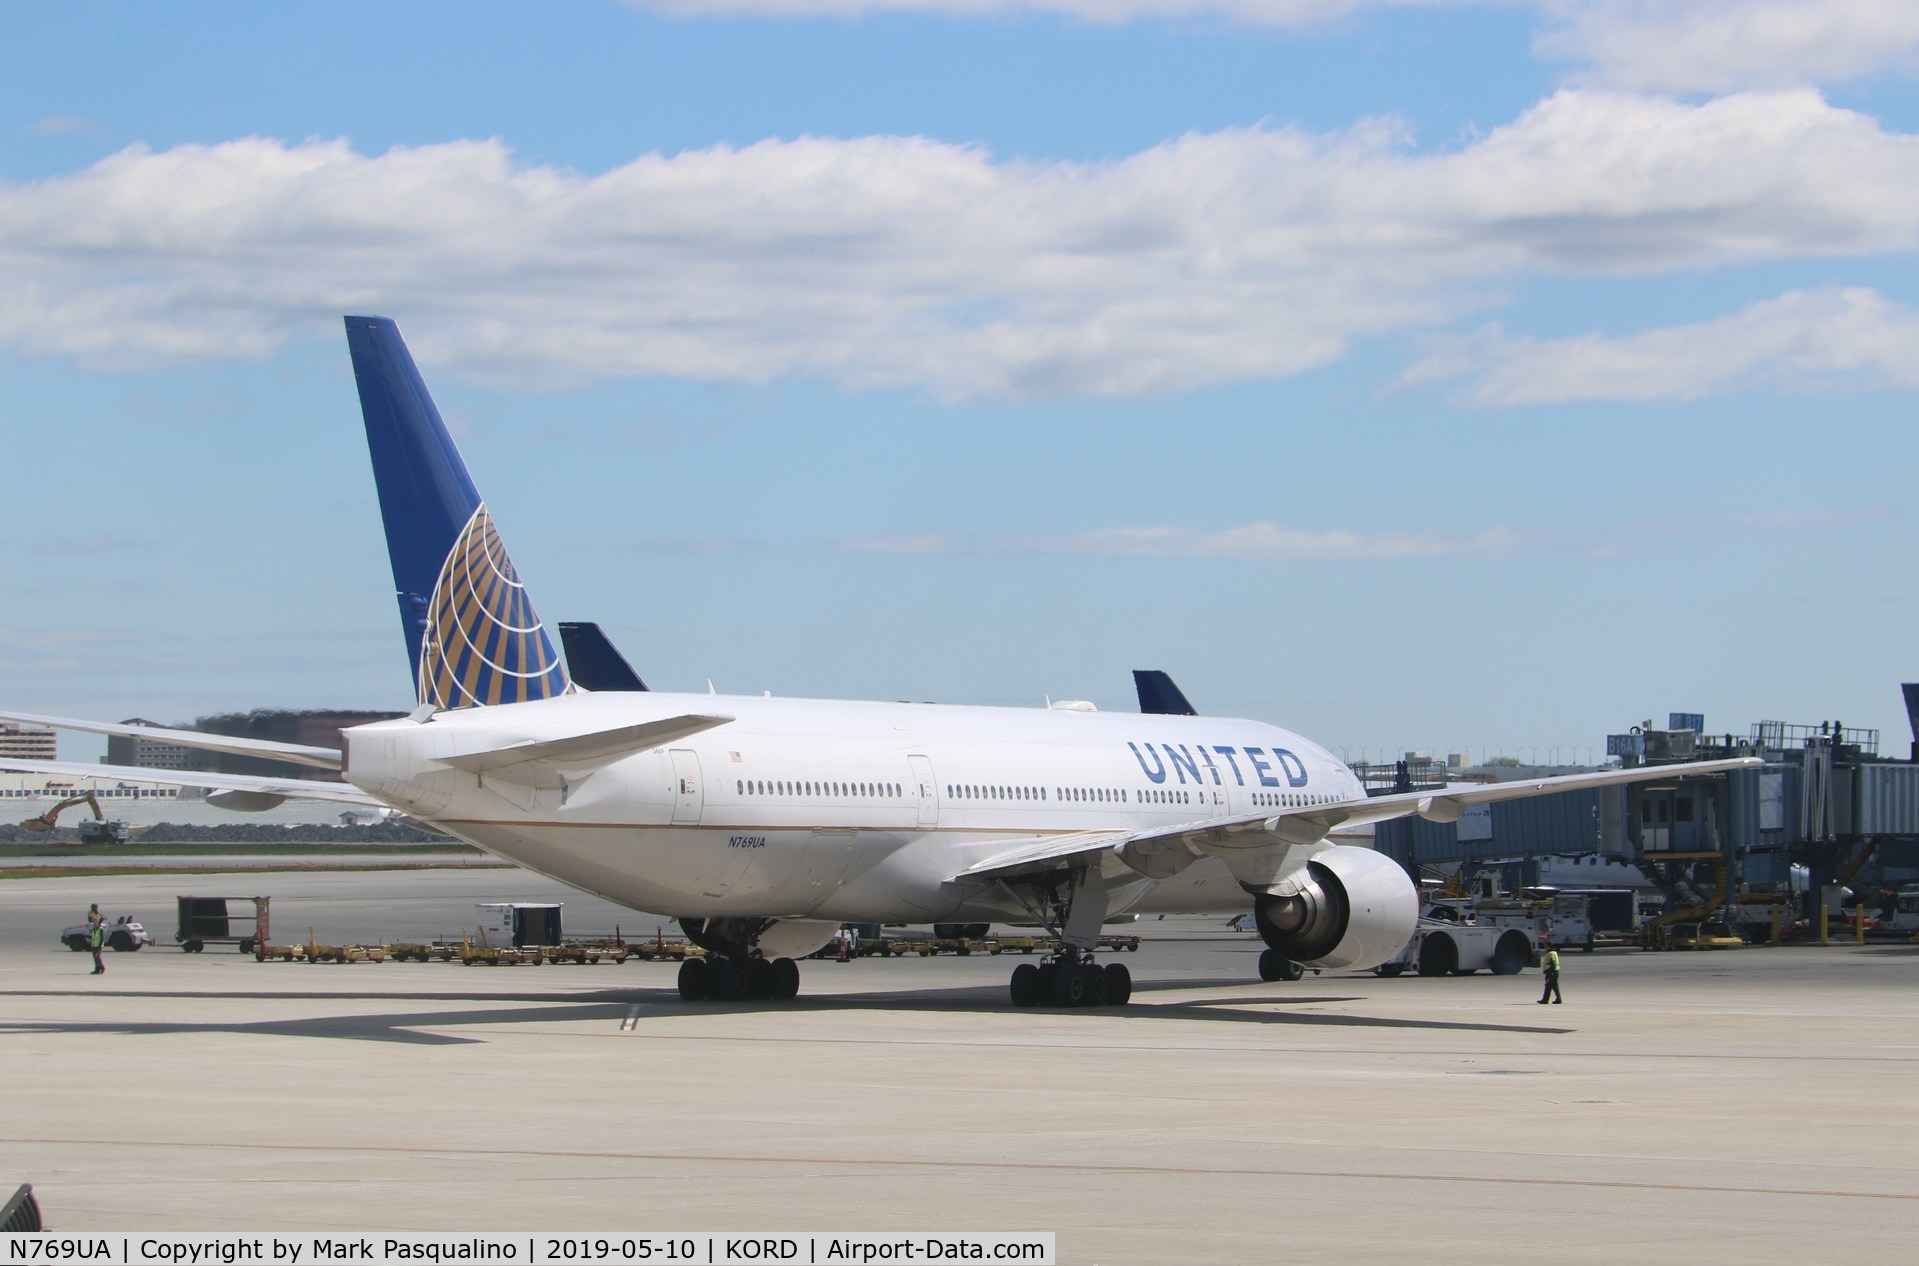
122, 934
1449, 941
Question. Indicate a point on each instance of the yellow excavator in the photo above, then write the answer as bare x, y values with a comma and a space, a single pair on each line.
98, 831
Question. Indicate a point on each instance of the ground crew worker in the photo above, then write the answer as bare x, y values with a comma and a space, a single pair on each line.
1550, 963
96, 937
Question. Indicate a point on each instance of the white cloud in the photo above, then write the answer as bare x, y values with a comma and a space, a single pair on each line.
1267, 542
1802, 340
885, 261
1102, 12
1251, 542
1720, 45
1651, 45
99, 543
60, 126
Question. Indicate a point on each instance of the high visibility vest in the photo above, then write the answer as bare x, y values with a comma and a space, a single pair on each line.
1552, 960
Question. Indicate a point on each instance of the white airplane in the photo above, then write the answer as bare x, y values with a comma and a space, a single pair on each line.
763, 824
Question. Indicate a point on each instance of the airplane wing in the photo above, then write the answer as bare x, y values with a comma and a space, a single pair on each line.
230, 791
1250, 842
318, 757
1034, 856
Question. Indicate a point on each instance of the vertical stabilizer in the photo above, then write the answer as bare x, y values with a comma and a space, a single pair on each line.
471, 631
593, 661
1158, 695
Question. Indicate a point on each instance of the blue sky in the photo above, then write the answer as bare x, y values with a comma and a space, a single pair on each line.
1450, 375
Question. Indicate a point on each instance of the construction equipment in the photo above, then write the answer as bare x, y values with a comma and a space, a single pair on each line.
98, 831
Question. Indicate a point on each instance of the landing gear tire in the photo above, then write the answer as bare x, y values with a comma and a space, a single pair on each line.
694, 979
1026, 985
1094, 977
786, 980
1274, 965
1069, 985
735, 981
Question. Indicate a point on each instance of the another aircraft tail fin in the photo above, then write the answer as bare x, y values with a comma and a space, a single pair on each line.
471, 631
1158, 694
594, 662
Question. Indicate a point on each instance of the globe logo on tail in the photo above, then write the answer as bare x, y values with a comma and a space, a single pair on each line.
484, 644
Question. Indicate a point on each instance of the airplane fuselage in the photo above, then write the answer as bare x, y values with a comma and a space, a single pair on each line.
831, 810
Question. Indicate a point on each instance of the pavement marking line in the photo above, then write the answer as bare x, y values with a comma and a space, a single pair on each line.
1115, 1170
632, 1020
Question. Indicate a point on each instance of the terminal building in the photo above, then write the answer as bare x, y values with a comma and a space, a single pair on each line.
28, 742
1829, 820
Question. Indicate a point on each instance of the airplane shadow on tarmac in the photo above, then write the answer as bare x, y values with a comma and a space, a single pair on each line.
640, 1005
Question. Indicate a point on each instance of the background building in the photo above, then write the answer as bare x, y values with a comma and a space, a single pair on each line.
28, 742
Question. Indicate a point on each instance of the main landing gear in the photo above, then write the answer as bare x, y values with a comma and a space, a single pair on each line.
734, 969
739, 979
1071, 980
1072, 904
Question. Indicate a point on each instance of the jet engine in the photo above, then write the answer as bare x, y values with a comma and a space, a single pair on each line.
1350, 907
796, 938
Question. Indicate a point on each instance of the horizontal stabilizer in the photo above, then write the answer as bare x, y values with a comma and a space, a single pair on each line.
257, 790
580, 751
318, 757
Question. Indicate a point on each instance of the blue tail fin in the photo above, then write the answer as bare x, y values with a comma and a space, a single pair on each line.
594, 662
1158, 694
470, 629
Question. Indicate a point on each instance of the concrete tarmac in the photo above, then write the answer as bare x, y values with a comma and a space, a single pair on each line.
1752, 1106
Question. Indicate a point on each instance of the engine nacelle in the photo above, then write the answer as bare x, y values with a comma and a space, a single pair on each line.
1353, 908
796, 938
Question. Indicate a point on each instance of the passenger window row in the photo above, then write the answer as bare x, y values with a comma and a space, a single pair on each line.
1280, 800
780, 787
971, 791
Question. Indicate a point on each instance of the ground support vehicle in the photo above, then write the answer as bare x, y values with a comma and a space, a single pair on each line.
208, 921
1701, 935
122, 934
1904, 920
1447, 943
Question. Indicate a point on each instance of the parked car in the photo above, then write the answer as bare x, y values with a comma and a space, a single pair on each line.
122, 934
